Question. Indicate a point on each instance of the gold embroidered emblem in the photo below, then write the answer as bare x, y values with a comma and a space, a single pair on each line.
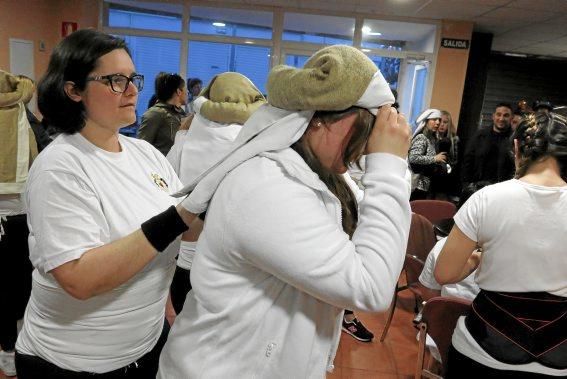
160, 182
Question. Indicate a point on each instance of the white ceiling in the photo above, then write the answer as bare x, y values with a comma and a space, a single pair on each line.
537, 27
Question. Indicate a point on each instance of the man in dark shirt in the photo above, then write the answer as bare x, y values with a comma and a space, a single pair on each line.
488, 158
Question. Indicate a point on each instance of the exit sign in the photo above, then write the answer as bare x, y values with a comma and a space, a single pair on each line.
451, 43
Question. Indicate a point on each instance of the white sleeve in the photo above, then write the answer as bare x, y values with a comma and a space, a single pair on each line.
358, 193
65, 217
174, 155
468, 218
187, 250
288, 233
427, 278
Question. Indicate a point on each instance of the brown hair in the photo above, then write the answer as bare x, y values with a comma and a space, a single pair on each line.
354, 150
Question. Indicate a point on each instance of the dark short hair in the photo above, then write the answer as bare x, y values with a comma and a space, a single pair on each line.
542, 104
193, 82
153, 100
504, 104
73, 59
166, 84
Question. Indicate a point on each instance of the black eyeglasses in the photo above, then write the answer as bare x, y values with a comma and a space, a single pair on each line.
119, 83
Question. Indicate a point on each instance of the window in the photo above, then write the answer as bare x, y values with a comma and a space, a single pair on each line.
389, 67
207, 59
130, 17
231, 22
400, 36
296, 60
325, 30
240, 39
151, 56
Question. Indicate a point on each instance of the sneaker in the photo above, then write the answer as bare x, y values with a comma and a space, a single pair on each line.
7, 363
357, 330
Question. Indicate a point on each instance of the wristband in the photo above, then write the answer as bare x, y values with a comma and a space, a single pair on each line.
163, 229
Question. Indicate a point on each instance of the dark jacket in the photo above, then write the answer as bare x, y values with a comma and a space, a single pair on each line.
159, 125
41, 136
488, 157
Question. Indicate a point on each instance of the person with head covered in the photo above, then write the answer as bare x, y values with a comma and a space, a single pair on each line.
284, 248
18, 148
423, 158
221, 110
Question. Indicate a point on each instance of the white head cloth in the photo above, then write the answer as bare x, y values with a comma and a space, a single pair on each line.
270, 129
427, 114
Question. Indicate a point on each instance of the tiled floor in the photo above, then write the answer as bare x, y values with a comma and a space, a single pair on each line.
395, 358
392, 359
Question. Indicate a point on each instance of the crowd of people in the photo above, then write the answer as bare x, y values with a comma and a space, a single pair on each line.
229, 238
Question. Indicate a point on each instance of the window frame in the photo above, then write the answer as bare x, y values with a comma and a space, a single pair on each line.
278, 46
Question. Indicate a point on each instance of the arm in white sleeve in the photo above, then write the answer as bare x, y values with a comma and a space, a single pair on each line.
288, 233
186, 254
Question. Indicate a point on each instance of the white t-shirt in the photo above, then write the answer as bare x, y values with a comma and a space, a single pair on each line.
465, 289
80, 197
521, 228
11, 205
194, 151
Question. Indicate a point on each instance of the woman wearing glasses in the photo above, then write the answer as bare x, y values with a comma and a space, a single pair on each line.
162, 121
102, 224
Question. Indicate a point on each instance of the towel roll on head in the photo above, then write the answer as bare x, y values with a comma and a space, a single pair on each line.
334, 79
229, 98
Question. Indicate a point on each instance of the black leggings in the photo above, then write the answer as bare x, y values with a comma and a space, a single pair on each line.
15, 271
180, 287
32, 367
460, 366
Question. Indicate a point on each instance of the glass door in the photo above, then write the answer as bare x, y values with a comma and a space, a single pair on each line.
413, 88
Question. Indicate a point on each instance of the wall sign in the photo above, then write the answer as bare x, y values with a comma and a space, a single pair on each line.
68, 28
451, 43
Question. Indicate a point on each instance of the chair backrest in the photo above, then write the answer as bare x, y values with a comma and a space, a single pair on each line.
434, 210
439, 316
421, 237
413, 267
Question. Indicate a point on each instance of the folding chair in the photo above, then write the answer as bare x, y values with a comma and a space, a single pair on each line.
438, 320
421, 241
434, 210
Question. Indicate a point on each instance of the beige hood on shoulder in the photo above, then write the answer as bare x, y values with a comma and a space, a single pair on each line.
18, 147
14, 90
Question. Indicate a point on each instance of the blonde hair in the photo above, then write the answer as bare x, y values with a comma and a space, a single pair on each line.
451, 130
